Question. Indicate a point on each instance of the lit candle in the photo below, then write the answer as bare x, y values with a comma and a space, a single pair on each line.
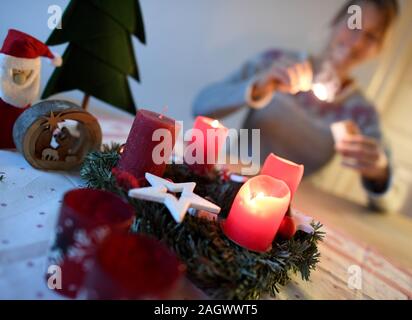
285, 170
137, 156
257, 212
209, 143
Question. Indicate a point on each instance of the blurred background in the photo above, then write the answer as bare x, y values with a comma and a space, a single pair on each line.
193, 43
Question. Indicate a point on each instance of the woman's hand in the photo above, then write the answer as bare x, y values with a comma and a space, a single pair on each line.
286, 75
366, 156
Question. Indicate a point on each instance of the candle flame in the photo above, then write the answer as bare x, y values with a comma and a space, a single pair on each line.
121, 149
260, 195
320, 91
164, 110
215, 123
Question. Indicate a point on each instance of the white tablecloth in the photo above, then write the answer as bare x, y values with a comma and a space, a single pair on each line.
29, 205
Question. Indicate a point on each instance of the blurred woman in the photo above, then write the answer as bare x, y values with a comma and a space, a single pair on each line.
295, 124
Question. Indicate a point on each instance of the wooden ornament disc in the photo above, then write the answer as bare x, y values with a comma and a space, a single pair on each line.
45, 121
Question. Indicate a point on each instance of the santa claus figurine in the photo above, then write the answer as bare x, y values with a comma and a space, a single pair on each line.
20, 79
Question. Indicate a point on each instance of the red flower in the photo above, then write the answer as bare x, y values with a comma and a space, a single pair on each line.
125, 180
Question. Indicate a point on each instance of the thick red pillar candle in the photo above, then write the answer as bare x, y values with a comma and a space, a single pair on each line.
257, 212
137, 157
285, 170
212, 136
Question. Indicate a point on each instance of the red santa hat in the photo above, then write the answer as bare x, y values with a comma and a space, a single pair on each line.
21, 45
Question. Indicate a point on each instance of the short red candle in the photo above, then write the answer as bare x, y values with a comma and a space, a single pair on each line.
130, 266
285, 170
213, 138
257, 212
137, 158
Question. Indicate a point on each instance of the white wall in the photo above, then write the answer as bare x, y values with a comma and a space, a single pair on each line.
192, 43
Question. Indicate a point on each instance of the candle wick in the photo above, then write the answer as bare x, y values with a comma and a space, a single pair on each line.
253, 196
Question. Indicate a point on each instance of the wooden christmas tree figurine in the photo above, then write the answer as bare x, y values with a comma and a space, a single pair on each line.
100, 55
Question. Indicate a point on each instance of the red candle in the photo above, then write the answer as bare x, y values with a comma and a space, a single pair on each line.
86, 217
130, 266
257, 212
285, 170
140, 153
202, 152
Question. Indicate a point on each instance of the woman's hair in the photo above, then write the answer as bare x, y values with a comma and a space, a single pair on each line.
389, 8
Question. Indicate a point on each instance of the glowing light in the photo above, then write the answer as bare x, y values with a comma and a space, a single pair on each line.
121, 149
321, 91
215, 124
164, 110
260, 195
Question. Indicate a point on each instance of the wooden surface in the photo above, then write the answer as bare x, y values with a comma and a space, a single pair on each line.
379, 244
390, 234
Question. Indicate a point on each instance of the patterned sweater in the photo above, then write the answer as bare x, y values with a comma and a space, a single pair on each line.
296, 127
